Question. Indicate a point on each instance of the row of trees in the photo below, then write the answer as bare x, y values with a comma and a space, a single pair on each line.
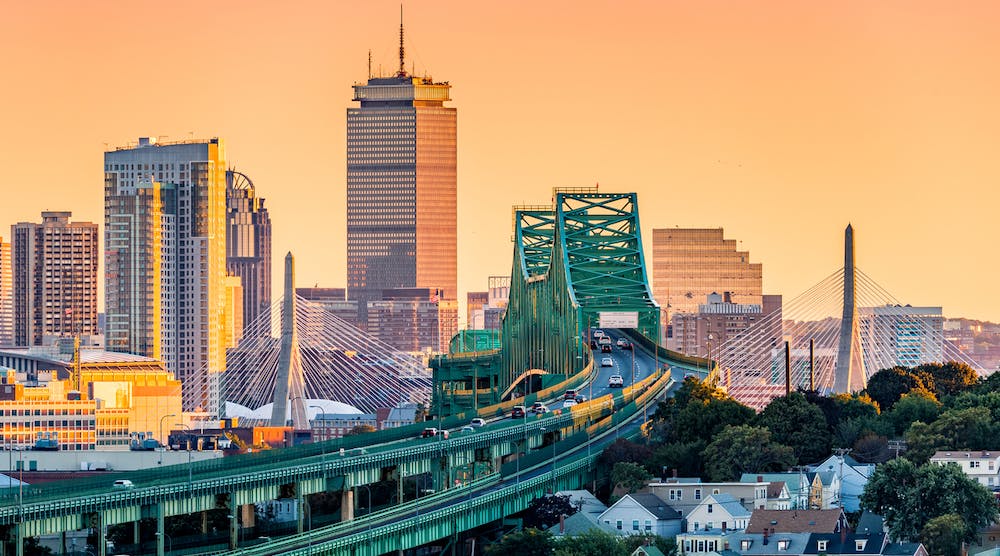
535, 542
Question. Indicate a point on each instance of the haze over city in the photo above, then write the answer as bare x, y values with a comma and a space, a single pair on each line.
780, 124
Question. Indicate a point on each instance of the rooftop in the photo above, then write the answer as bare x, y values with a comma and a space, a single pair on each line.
795, 521
655, 505
965, 455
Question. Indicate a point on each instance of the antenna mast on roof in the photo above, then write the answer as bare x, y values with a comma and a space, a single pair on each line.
402, 52
369, 63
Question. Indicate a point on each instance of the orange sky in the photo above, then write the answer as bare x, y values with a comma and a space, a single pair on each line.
780, 121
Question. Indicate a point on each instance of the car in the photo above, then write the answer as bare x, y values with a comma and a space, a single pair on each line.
536, 405
598, 333
466, 429
517, 412
569, 403
605, 348
429, 432
580, 398
541, 410
122, 484
622, 343
593, 344
477, 422
569, 394
607, 362
616, 381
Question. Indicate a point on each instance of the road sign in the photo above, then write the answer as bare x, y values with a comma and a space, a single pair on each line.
619, 319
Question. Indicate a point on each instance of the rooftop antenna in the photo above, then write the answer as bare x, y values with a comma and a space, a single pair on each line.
369, 63
402, 52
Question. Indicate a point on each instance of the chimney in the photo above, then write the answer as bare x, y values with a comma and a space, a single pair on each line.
562, 524
765, 536
760, 478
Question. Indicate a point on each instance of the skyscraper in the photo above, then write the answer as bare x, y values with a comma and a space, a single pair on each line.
6, 296
248, 245
401, 187
165, 258
54, 279
690, 263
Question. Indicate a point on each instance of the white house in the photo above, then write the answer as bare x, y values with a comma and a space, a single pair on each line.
705, 543
778, 497
684, 494
642, 514
718, 511
983, 466
853, 477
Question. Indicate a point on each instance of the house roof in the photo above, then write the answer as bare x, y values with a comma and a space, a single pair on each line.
584, 500
774, 489
873, 544
870, 523
790, 479
795, 521
648, 551
954, 455
796, 543
580, 523
730, 504
655, 505
825, 477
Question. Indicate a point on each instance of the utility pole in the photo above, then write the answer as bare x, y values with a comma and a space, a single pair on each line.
841, 452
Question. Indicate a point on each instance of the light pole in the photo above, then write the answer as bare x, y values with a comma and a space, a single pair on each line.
164, 444
369, 506
322, 444
170, 542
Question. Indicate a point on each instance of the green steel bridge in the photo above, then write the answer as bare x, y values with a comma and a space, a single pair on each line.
576, 264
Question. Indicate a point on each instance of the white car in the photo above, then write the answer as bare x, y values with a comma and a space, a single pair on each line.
477, 422
569, 403
607, 362
598, 333
616, 381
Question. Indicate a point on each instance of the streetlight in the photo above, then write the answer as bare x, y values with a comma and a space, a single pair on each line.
170, 542
160, 462
369, 505
322, 445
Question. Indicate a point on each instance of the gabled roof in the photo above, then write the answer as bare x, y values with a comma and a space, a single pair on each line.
873, 543
647, 551
790, 479
795, 521
775, 488
580, 523
655, 505
796, 543
870, 523
728, 503
825, 477
584, 500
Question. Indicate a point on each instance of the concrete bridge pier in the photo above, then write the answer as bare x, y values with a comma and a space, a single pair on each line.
19, 539
347, 504
299, 511
160, 530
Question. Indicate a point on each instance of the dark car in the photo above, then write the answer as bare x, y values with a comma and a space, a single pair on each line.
517, 412
580, 398
593, 344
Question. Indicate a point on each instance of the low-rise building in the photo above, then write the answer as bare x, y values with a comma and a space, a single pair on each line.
718, 511
797, 521
642, 514
685, 494
983, 466
326, 426
852, 475
816, 490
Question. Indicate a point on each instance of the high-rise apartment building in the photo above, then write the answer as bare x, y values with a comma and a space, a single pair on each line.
54, 279
165, 259
413, 319
690, 263
6, 296
401, 187
901, 335
248, 245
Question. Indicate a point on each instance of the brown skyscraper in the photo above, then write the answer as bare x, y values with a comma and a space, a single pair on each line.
401, 187
55, 278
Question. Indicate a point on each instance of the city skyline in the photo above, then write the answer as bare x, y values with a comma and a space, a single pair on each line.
861, 113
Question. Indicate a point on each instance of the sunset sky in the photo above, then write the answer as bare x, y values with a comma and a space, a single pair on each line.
779, 121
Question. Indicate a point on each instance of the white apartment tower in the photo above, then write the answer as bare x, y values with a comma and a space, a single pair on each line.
165, 259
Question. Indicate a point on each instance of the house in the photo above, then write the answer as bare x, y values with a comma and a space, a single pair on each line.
778, 497
847, 543
705, 543
797, 521
853, 477
870, 522
718, 511
578, 524
816, 544
647, 551
642, 514
684, 494
983, 466
584, 501
767, 544
811, 490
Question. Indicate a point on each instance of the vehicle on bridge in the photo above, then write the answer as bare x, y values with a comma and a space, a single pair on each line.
517, 412
569, 403
616, 381
477, 422
580, 398
122, 484
605, 343
569, 394
607, 362
622, 343
598, 333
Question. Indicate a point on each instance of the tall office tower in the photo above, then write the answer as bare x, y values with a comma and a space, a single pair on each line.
690, 263
6, 296
54, 279
165, 259
248, 245
401, 187
414, 319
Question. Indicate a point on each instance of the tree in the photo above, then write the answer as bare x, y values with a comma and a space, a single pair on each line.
745, 449
702, 419
950, 378
528, 542
909, 497
943, 535
682, 457
915, 405
545, 511
888, 385
359, 429
594, 542
629, 476
850, 431
796, 423
871, 448
922, 442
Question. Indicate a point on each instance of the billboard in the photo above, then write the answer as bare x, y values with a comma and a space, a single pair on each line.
619, 319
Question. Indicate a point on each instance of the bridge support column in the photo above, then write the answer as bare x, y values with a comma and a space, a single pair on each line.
19, 539
347, 505
102, 539
136, 533
204, 522
299, 510
160, 531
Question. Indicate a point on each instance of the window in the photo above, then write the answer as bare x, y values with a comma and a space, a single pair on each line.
973, 465
618, 524
745, 544
821, 546
635, 524
676, 494
649, 526
709, 508
783, 544
715, 491
697, 494
859, 544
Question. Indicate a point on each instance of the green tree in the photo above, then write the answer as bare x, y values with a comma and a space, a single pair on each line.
359, 429
915, 405
528, 542
965, 400
871, 448
594, 542
855, 406
629, 476
850, 431
943, 535
971, 428
922, 441
702, 419
909, 497
682, 457
888, 385
796, 423
745, 449
950, 378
